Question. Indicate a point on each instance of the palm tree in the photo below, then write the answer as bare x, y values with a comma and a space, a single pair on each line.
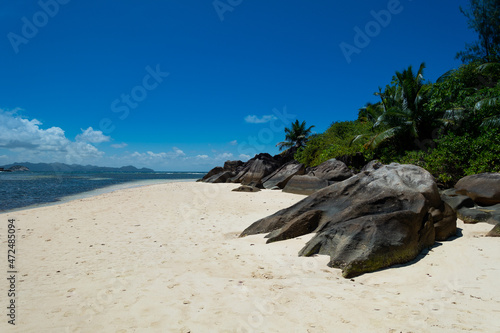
296, 136
403, 107
370, 112
458, 115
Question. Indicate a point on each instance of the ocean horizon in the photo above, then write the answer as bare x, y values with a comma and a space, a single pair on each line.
30, 189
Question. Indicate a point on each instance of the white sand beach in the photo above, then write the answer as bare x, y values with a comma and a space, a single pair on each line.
166, 258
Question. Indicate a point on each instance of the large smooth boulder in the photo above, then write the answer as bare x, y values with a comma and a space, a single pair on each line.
222, 177
233, 166
488, 214
372, 220
305, 184
331, 170
281, 176
255, 169
483, 188
212, 172
223, 174
472, 215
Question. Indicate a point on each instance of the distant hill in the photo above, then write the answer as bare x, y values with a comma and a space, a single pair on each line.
50, 167
18, 168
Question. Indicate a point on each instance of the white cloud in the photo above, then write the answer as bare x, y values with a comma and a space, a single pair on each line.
28, 141
20, 133
224, 156
178, 152
92, 136
253, 119
244, 157
119, 145
151, 156
233, 143
203, 157
159, 155
80, 152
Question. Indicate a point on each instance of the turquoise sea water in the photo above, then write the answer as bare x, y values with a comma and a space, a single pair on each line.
26, 189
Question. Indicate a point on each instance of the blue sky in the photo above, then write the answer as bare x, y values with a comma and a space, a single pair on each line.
185, 85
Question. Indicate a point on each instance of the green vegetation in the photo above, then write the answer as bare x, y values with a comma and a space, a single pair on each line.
456, 156
450, 127
335, 142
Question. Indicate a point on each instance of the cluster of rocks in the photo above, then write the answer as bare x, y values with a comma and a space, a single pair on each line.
381, 216
476, 199
277, 173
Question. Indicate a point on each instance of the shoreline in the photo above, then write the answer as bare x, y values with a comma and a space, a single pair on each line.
167, 257
97, 192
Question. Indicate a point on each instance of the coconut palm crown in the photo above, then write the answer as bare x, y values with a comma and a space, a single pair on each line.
296, 136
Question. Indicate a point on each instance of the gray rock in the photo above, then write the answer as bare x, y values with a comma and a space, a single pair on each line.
455, 200
301, 225
222, 177
372, 165
473, 215
495, 232
212, 172
246, 188
305, 184
281, 176
255, 169
331, 170
483, 188
494, 211
495, 218
445, 222
372, 220
233, 166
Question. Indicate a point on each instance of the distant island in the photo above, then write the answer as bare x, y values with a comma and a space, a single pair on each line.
14, 168
50, 167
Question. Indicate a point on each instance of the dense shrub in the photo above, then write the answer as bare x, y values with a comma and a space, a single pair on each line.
457, 156
335, 142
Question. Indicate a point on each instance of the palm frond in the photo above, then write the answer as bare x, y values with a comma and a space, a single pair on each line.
490, 67
420, 73
491, 122
455, 113
487, 102
383, 136
356, 138
446, 76
284, 144
453, 116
